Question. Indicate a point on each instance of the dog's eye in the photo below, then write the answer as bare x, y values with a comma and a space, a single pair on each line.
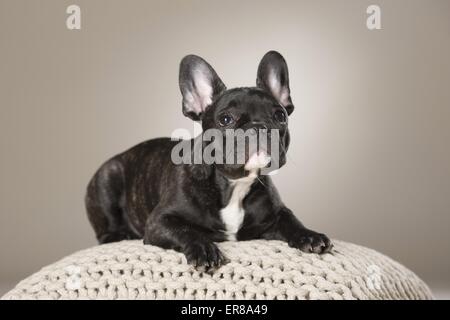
225, 120
280, 116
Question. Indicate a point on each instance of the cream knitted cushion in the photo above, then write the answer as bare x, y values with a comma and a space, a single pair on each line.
258, 269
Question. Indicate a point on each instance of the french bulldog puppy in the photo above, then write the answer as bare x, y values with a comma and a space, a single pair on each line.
142, 194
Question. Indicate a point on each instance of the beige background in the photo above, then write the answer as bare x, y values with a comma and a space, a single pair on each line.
370, 158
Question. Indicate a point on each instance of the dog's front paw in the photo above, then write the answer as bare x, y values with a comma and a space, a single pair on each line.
311, 241
205, 254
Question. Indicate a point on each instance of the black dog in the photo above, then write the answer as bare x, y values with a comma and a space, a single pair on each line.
141, 193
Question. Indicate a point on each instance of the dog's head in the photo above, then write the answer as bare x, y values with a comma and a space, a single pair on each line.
260, 112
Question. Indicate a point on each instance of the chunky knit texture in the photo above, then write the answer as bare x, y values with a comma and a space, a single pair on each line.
258, 270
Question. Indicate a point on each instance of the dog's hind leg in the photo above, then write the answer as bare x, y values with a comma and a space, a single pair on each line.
105, 204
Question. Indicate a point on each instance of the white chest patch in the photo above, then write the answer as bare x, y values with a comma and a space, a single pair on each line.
233, 214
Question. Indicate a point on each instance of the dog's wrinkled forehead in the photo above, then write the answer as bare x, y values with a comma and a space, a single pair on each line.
244, 100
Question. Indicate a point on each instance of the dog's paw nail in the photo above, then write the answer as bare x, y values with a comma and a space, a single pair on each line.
311, 242
204, 256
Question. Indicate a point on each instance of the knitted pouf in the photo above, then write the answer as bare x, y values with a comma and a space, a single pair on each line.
258, 269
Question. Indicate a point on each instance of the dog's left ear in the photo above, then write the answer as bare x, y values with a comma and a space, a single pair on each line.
199, 85
273, 77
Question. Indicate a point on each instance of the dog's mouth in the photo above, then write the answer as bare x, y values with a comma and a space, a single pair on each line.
259, 163
262, 155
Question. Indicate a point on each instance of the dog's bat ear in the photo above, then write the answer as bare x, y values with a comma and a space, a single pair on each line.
273, 76
199, 85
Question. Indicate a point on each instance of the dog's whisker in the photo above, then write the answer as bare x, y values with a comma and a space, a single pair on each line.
261, 182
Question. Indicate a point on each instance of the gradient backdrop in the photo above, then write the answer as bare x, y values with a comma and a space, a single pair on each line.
370, 156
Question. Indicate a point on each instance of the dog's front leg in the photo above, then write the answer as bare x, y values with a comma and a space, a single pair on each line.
170, 231
288, 228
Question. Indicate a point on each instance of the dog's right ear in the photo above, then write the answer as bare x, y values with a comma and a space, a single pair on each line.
199, 85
